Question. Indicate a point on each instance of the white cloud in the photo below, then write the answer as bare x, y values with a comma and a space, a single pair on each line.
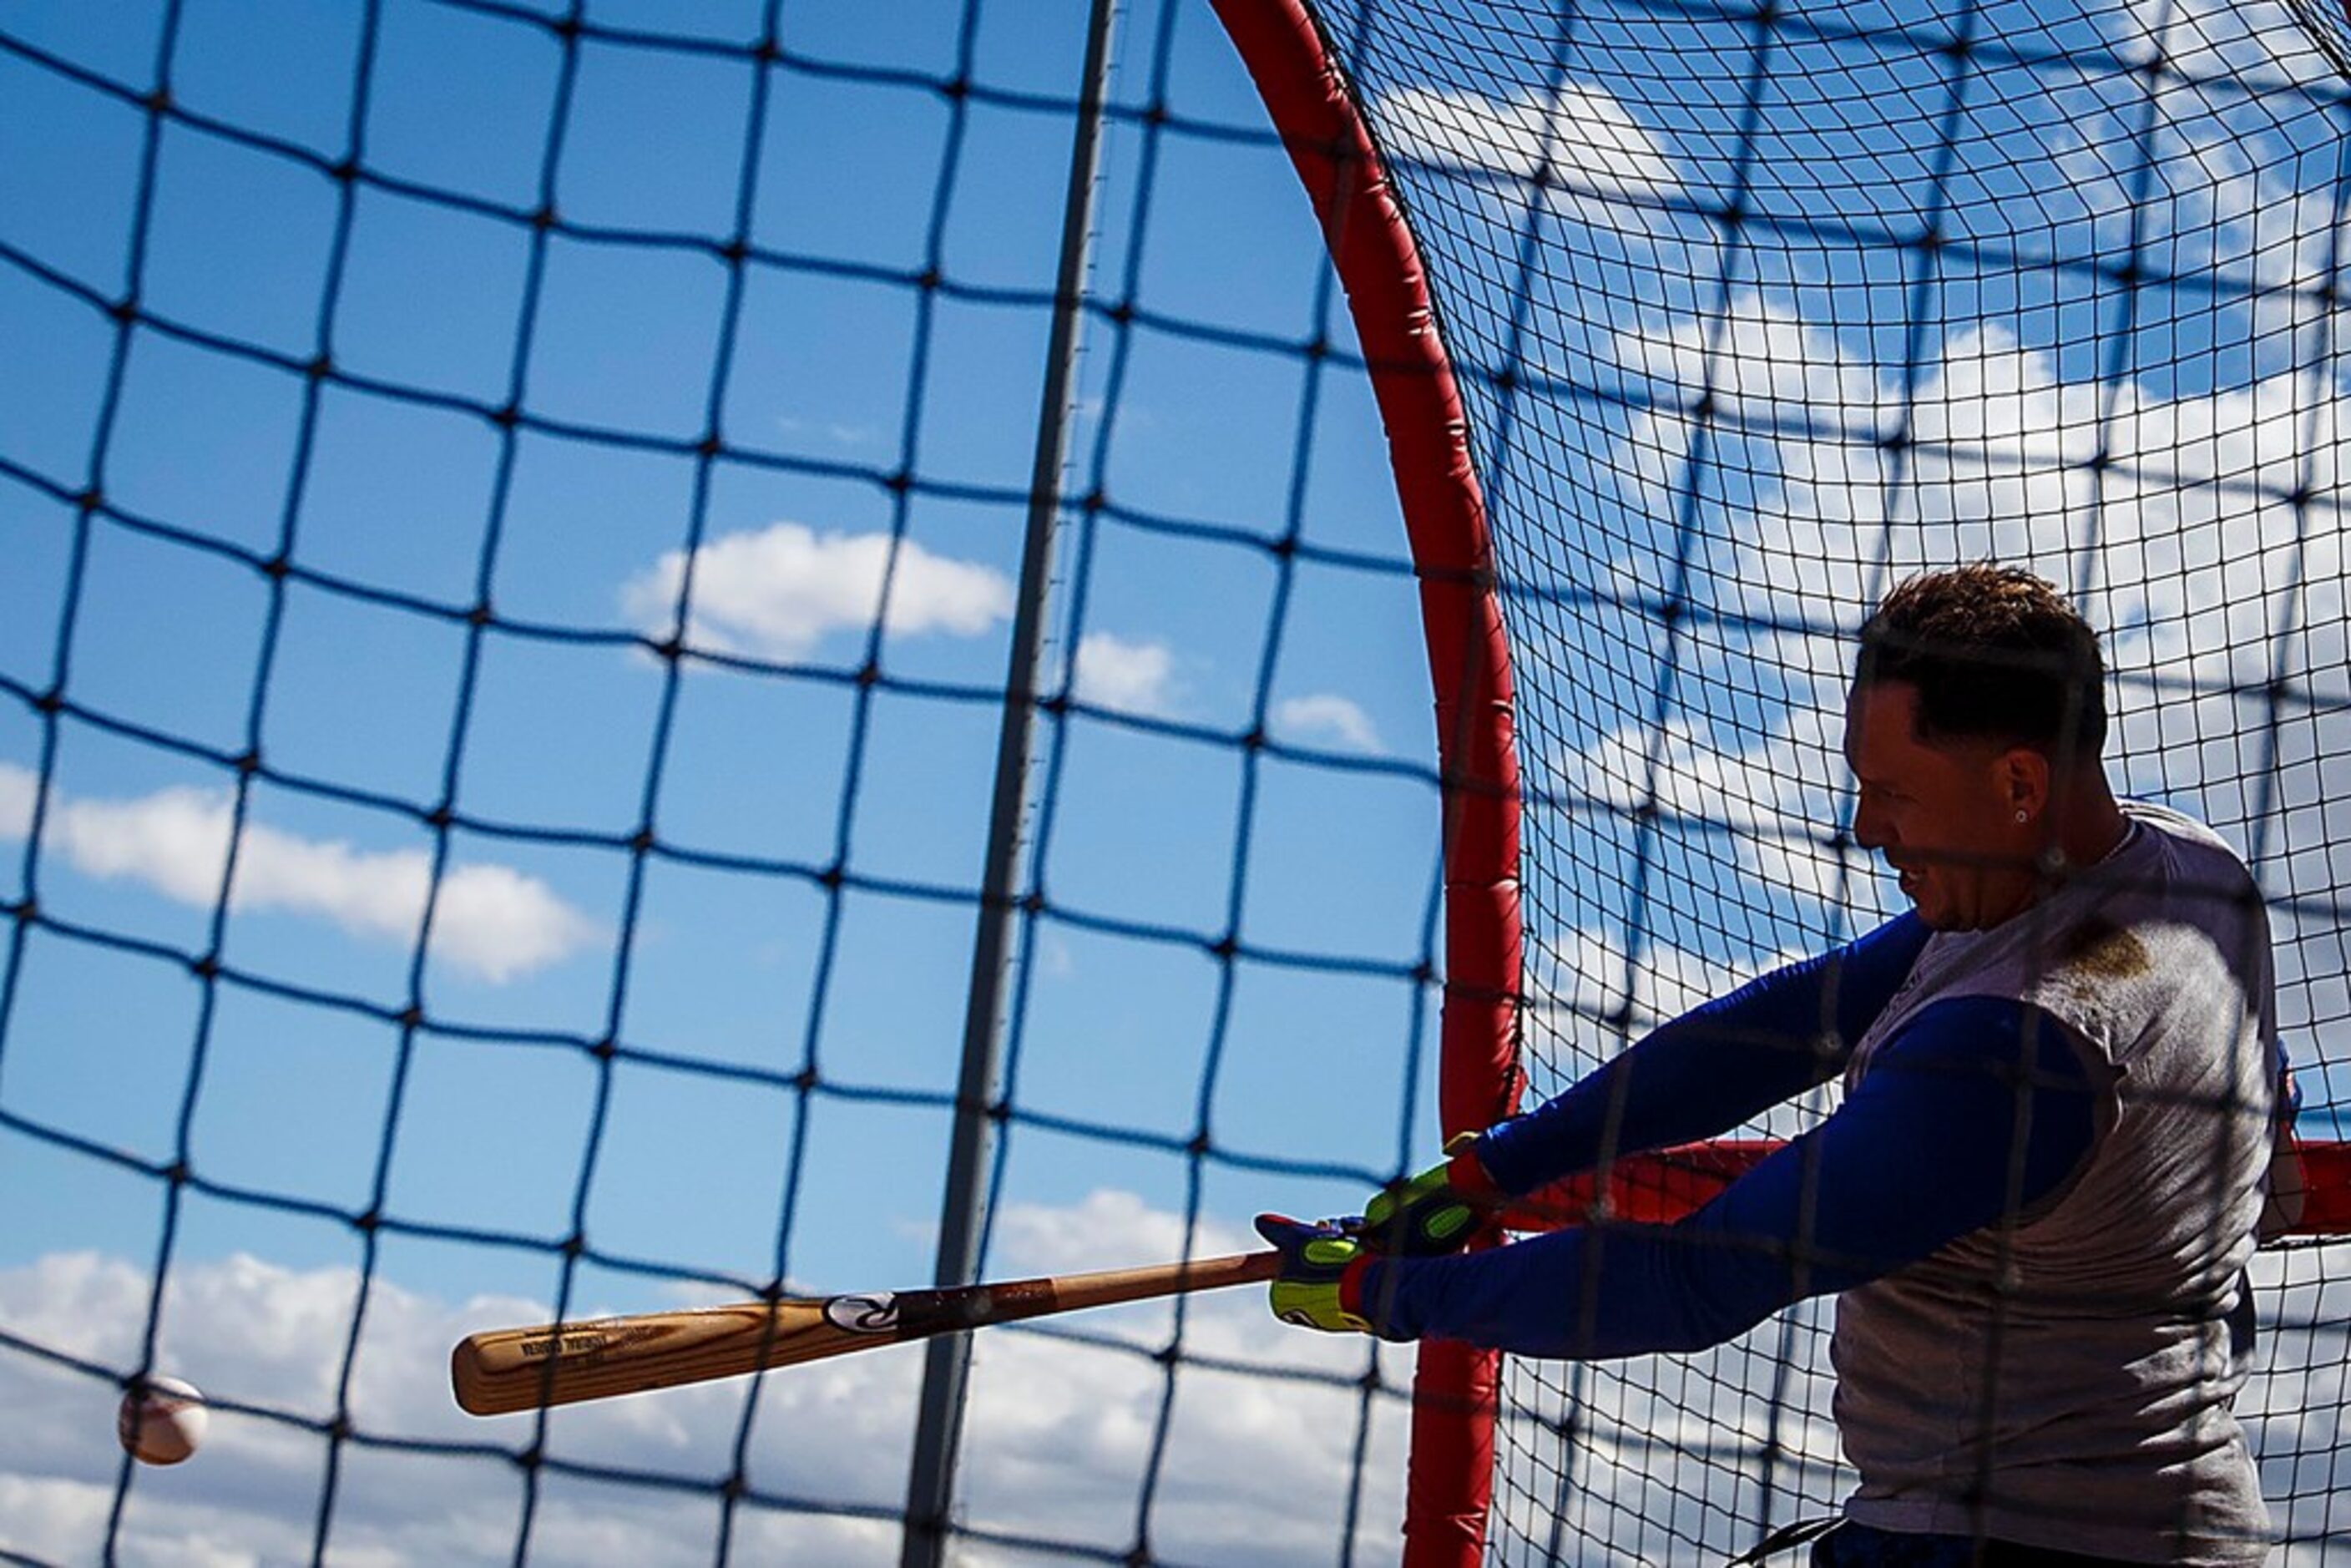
1591, 973
1136, 677
1759, 363
2224, 40
491, 920
1606, 183
501, 923
1057, 1434
2205, 579
775, 593
1325, 716
1776, 791
2005, 463
1581, 139
1106, 1225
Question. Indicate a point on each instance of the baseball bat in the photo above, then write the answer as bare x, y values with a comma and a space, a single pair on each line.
504, 1370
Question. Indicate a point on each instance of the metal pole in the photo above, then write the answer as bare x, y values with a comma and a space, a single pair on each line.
930, 1483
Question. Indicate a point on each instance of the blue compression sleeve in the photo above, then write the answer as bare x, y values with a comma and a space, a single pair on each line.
1713, 1067
1918, 1155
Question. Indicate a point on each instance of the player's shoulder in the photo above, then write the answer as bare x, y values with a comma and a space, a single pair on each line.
2173, 823
2195, 848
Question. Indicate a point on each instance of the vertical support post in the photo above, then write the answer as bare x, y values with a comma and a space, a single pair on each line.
930, 1483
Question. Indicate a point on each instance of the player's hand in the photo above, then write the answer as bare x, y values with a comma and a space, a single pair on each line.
1321, 1285
1436, 1211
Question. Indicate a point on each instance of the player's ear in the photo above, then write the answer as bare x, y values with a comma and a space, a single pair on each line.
2022, 774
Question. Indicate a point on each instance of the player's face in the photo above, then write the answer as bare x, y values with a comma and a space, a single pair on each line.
1943, 814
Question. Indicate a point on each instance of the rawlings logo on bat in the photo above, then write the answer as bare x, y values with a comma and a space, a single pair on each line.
864, 1314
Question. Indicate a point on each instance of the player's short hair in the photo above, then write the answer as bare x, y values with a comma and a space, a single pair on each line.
1994, 653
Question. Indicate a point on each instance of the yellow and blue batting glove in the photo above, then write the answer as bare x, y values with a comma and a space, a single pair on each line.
1321, 1285
1435, 1212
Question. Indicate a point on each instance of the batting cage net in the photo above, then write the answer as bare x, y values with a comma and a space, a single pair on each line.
655, 654
1758, 310
520, 528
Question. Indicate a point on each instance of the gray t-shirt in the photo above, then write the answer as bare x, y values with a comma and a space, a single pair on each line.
2065, 1380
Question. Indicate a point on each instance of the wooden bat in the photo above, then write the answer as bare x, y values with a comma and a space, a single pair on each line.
505, 1370
510, 1369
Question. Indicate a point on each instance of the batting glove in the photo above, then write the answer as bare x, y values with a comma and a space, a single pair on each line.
1436, 1211
1321, 1285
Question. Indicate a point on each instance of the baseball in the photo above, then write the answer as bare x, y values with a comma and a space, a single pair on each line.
162, 1420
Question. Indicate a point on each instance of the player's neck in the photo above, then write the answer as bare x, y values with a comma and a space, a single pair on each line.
2090, 826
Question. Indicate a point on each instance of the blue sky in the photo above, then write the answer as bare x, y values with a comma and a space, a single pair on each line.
839, 374
391, 520
1177, 624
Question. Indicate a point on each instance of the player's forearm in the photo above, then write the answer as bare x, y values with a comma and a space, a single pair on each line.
1583, 1295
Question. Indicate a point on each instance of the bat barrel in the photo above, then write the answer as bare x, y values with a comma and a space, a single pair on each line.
502, 1371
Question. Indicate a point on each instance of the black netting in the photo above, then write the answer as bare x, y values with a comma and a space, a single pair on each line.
425, 913
1760, 309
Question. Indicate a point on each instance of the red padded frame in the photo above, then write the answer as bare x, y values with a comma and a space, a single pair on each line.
1378, 263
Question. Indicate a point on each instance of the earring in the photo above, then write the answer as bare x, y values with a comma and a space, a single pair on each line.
2022, 817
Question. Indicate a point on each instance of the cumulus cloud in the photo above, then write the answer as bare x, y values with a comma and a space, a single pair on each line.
2226, 40
2188, 502
1587, 975
1777, 792
1609, 187
1132, 677
491, 920
2209, 582
776, 592
1326, 717
2202, 531
1579, 139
